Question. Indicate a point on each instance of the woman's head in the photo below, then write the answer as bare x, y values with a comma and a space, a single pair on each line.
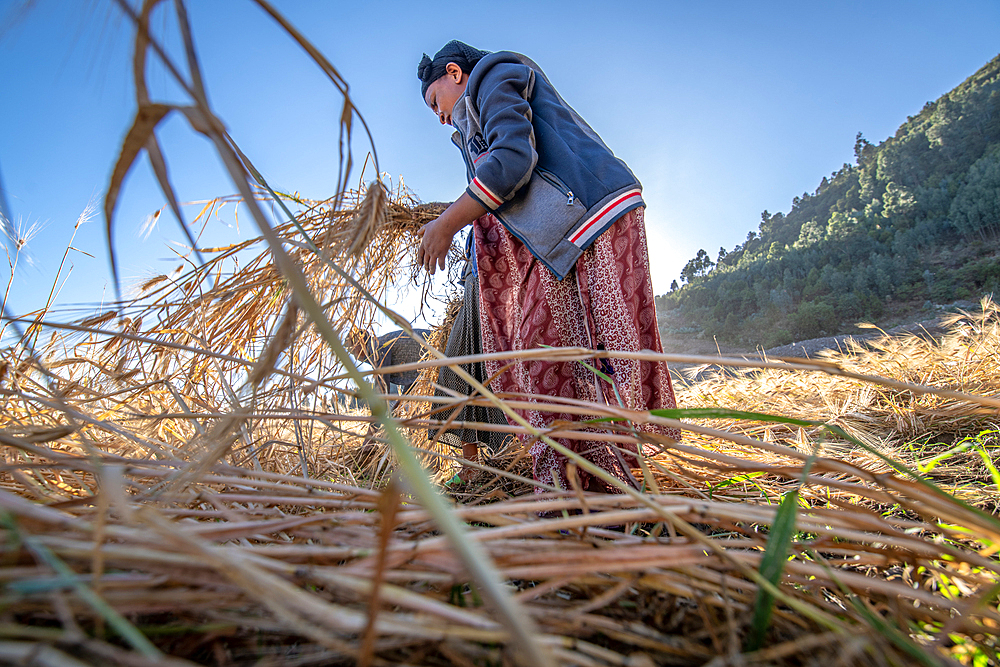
443, 79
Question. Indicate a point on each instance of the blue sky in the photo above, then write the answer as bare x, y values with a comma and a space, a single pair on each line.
722, 109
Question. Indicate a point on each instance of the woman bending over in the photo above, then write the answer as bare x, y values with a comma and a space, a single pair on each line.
559, 248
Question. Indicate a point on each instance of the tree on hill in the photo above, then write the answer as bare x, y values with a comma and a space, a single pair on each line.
892, 229
697, 267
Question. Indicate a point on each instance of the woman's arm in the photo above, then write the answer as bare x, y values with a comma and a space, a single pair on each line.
438, 233
502, 101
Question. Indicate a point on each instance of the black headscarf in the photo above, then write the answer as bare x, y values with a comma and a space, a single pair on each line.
460, 53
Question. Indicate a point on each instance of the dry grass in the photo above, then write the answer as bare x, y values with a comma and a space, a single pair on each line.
184, 482
940, 435
272, 553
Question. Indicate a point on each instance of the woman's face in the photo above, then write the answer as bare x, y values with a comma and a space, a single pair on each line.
443, 93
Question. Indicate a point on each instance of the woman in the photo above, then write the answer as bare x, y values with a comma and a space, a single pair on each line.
559, 246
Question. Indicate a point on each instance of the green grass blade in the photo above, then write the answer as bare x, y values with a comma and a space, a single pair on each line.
772, 565
988, 460
724, 413
930, 464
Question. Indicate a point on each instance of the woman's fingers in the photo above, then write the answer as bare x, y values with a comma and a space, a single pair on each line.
421, 253
435, 242
428, 259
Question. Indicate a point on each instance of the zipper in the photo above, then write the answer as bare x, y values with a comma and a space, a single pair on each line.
554, 181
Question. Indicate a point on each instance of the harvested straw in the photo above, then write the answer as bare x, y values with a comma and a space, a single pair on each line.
293, 547
915, 430
158, 498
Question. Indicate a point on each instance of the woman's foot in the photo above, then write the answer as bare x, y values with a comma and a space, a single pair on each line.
470, 452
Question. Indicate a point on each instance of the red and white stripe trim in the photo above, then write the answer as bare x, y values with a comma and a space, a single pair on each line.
485, 195
608, 213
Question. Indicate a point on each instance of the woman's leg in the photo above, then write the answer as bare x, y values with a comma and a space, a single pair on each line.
470, 452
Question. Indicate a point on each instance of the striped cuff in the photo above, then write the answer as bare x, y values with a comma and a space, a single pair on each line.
614, 209
484, 195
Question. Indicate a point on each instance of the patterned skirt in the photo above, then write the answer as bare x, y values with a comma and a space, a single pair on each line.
606, 302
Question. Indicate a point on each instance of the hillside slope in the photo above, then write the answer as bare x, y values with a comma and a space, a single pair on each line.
914, 222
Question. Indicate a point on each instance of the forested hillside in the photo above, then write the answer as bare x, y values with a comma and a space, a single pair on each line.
915, 219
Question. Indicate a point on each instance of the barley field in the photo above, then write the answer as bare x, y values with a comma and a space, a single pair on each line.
187, 481
191, 476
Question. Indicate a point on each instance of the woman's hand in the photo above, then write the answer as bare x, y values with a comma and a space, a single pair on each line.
437, 234
435, 244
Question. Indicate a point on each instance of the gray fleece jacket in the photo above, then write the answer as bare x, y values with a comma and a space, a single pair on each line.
536, 164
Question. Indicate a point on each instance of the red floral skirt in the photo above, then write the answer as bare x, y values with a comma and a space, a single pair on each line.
606, 302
